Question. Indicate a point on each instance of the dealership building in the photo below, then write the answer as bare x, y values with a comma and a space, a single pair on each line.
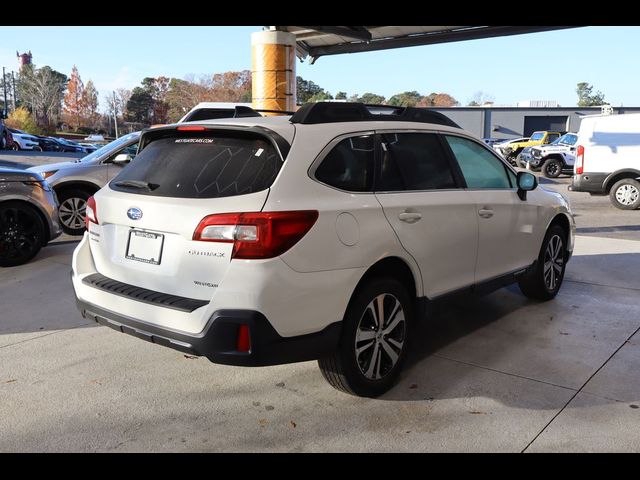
513, 122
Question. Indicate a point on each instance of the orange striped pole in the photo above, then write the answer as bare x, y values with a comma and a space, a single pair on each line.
273, 70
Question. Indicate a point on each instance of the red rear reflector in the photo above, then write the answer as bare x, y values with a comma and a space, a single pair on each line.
243, 343
256, 235
191, 128
579, 159
91, 213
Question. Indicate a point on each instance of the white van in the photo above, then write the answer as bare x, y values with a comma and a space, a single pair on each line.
608, 159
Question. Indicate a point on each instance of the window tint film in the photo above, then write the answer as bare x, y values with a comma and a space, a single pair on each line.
413, 161
479, 167
201, 166
349, 165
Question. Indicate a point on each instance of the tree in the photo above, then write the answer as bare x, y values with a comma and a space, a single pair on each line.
586, 97
480, 98
231, 86
90, 105
405, 99
42, 91
341, 96
307, 89
22, 119
74, 98
371, 98
438, 100
140, 106
320, 97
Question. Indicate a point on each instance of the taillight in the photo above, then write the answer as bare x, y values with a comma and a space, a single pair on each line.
579, 159
243, 341
91, 213
256, 235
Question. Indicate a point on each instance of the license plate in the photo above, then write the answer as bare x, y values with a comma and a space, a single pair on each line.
145, 247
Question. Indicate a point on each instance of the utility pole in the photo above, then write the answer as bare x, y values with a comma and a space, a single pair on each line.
4, 85
115, 112
13, 80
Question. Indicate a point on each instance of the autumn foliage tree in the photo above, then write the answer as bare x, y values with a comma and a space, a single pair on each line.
74, 99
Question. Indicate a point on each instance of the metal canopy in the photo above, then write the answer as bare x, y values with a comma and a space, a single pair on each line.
317, 41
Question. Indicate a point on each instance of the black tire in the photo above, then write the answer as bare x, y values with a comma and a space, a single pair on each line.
552, 168
544, 282
71, 213
22, 233
16, 146
625, 194
352, 373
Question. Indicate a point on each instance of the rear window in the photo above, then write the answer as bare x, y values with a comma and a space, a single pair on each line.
209, 114
200, 166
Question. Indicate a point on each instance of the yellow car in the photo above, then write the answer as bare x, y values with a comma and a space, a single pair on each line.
537, 138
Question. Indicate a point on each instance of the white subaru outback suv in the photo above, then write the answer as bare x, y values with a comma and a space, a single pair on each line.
261, 241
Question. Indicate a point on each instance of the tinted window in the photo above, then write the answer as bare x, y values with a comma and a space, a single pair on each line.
480, 168
552, 137
202, 166
349, 165
210, 114
414, 161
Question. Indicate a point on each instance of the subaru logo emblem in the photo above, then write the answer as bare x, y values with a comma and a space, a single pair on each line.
134, 213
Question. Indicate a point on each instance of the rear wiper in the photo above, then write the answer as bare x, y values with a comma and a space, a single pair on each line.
137, 184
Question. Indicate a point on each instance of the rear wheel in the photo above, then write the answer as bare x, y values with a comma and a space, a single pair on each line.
22, 233
73, 206
625, 194
552, 168
545, 280
374, 340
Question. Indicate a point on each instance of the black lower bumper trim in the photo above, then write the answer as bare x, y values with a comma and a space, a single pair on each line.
217, 341
589, 182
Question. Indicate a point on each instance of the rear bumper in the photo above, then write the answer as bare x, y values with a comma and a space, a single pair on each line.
217, 341
589, 182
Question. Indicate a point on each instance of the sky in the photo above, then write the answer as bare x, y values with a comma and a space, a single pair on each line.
540, 66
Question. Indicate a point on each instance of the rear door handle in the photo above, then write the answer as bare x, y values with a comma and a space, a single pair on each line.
410, 217
485, 212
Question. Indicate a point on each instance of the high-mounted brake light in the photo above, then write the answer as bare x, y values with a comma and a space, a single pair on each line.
579, 159
91, 212
256, 235
191, 128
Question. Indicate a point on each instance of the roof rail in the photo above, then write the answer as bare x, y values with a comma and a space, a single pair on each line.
332, 112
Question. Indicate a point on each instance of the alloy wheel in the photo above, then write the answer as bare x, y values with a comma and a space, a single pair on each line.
19, 233
72, 212
553, 262
380, 336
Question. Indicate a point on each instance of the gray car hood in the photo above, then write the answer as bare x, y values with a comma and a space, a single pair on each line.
53, 166
17, 175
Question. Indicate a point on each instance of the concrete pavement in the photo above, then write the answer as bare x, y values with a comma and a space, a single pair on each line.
497, 373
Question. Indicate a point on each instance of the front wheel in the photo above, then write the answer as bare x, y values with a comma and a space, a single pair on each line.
374, 340
545, 279
625, 194
72, 210
552, 168
22, 233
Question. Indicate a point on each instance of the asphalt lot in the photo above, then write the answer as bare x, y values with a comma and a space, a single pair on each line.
495, 373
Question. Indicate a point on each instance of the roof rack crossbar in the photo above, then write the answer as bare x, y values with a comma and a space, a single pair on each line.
332, 112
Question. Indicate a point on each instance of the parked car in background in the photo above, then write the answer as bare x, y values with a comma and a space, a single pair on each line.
24, 141
513, 149
4, 133
608, 159
89, 147
70, 146
553, 159
500, 146
219, 231
75, 181
28, 215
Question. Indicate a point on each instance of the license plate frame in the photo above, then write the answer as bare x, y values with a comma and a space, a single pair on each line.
144, 240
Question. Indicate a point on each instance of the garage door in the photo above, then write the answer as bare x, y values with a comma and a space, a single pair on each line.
536, 123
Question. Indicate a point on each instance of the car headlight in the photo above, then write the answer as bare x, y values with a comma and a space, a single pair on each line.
48, 174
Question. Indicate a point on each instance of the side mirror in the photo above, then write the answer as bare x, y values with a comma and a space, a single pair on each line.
526, 182
122, 158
